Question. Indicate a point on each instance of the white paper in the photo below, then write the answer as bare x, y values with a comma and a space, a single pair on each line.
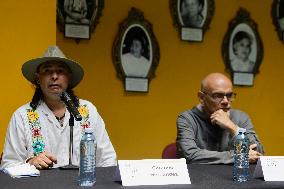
153, 172
22, 170
270, 167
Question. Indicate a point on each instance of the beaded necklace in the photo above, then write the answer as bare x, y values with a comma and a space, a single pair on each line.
35, 126
37, 139
84, 111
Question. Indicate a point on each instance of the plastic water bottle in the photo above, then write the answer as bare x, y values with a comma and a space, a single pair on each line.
87, 170
241, 160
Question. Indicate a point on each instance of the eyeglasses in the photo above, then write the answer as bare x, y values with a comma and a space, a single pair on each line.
218, 97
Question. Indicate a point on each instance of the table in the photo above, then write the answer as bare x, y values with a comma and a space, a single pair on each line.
202, 177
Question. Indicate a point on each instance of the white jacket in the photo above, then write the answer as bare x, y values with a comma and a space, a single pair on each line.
18, 141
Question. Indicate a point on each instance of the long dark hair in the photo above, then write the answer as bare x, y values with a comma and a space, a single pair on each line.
38, 96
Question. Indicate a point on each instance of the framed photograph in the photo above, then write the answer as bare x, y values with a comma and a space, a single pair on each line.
78, 18
192, 17
136, 52
278, 17
242, 49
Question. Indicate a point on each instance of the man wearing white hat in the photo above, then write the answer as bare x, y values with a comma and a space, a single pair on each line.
38, 132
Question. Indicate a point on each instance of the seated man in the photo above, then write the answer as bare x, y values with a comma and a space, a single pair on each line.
39, 131
206, 133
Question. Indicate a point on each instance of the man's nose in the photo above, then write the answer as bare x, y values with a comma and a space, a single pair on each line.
225, 99
54, 75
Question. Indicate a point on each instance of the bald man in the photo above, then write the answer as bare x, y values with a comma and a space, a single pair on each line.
205, 134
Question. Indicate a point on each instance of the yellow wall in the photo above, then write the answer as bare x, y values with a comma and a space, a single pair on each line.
140, 125
27, 28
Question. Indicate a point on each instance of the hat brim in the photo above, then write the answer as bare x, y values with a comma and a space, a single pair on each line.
29, 69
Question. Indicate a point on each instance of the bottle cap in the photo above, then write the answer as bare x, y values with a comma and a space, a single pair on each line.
88, 130
242, 130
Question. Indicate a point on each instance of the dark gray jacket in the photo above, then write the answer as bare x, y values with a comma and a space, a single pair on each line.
201, 142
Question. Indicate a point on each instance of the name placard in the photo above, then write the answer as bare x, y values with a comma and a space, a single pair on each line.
270, 167
136, 84
153, 172
243, 78
191, 34
77, 31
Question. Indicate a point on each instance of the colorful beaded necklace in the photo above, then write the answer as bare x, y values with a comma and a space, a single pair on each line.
37, 138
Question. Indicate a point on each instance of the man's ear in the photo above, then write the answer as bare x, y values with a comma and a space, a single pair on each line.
200, 96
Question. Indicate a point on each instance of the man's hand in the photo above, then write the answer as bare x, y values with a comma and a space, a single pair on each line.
222, 119
43, 160
253, 154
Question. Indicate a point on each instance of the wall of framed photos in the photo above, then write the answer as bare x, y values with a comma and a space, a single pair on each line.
140, 125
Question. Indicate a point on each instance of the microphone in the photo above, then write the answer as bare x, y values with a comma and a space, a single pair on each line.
65, 97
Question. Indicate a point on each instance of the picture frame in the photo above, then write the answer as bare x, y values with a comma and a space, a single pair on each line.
77, 19
242, 49
136, 52
277, 13
192, 18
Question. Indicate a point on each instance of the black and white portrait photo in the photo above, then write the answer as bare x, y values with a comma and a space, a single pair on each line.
78, 18
136, 52
243, 49
136, 56
192, 13
192, 18
277, 14
78, 11
280, 14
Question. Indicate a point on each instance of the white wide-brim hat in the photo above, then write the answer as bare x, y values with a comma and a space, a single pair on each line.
53, 53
